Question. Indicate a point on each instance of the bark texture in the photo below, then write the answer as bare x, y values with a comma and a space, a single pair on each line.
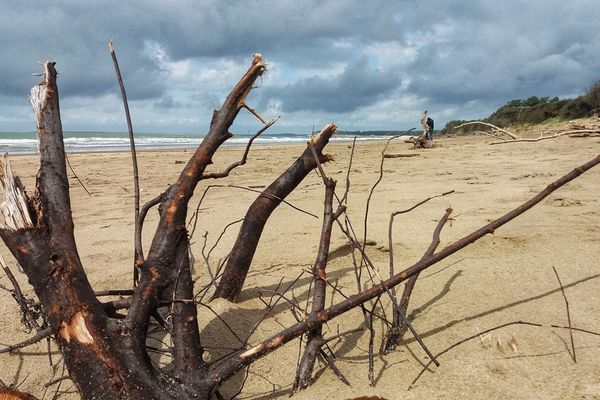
314, 337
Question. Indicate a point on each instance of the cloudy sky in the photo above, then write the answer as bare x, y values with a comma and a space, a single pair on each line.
364, 64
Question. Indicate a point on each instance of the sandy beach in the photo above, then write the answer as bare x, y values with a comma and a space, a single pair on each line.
502, 278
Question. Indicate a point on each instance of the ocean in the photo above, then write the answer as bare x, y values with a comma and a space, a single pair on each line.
78, 142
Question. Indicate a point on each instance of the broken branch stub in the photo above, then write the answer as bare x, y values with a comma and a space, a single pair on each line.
238, 264
14, 208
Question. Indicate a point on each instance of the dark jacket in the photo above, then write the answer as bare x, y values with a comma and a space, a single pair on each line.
430, 124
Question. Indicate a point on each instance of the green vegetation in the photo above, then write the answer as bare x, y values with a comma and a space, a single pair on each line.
535, 110
583, 105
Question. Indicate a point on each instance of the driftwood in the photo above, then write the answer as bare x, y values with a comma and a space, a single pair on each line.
314, 337
106, 355
107, 358
401, 155
570, 133
495, 129
422, 141
241, 255
577, 131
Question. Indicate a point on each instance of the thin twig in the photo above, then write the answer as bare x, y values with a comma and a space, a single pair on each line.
347, 189
562, 289
136, 185
272, 196
76, 177
390, 228
379, 179
227, 171
406, 322
40, 335
29, 315
262, 193
237, 221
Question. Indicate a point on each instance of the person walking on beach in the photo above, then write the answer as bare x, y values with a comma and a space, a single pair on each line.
430, 130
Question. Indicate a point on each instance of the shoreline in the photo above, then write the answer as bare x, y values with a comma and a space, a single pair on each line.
146, 148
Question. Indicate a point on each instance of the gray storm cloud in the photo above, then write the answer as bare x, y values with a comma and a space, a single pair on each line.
443, 54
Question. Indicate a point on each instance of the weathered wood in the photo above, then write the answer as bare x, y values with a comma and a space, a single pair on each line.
238, 264
494, 128
570, 133
12, 394
106, 357
46, 250
314, 337
399, 326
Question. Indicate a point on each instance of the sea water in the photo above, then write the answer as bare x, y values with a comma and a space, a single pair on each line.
26, 142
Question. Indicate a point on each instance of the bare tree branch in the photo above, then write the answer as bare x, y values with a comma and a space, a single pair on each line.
555, 136
314, 337
494, 128
562, 290
398, 329
139, 257
234, 274
227, 171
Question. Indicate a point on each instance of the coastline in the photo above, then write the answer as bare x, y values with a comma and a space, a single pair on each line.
504, 277
99, 142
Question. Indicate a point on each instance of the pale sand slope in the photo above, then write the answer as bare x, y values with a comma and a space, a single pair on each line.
503, 277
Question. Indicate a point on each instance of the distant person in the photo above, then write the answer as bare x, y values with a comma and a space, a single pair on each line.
430, 126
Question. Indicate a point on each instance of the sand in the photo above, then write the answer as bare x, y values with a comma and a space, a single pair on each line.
503, 277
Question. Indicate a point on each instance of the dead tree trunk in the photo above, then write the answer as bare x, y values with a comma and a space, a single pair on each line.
106, 357
241, 255
40, 236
